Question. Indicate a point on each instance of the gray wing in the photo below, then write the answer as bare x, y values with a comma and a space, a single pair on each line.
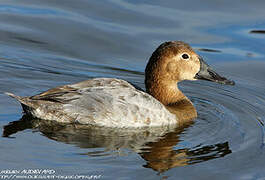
67, 93
101, 101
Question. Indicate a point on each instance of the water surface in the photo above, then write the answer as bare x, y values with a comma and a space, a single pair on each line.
44, 44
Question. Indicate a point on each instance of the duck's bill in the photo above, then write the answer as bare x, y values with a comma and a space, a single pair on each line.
207, 73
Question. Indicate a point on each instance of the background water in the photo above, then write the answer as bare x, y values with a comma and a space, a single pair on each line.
48, 43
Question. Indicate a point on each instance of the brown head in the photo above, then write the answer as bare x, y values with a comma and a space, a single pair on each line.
172, 62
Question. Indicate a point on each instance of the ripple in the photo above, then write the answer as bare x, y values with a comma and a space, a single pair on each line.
209, 50
257, 31
232, 114
26, 10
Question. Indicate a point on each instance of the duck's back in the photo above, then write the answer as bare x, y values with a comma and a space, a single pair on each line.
102, 101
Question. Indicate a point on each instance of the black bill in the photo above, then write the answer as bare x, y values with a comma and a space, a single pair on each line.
207, 73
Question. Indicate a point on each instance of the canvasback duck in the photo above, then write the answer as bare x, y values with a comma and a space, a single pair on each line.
114, 102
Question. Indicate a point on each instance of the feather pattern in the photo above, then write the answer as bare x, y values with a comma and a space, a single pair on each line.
101, 101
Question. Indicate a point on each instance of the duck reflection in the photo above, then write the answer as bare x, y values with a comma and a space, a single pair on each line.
157, 146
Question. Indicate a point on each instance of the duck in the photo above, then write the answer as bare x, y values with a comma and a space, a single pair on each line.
111, 102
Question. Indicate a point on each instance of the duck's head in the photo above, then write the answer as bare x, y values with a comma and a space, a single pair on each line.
176, 61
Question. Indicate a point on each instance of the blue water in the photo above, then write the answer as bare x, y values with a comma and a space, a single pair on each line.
44, 44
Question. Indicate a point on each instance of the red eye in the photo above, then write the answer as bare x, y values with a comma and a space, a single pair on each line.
185, 56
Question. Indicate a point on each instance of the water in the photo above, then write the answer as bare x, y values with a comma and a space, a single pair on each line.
49, 43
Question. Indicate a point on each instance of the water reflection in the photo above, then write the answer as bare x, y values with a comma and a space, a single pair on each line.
157, 146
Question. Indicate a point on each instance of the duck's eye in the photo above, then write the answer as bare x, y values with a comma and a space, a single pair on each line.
185, 56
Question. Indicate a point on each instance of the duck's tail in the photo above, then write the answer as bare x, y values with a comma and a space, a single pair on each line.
25, 101
14, 96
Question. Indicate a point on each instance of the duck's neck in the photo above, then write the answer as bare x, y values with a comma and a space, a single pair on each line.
165, 91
